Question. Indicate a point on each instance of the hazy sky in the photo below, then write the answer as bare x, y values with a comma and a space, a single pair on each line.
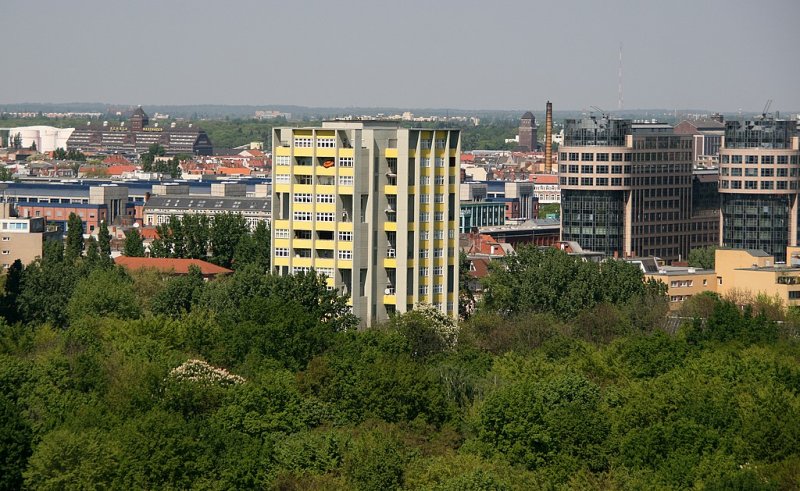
491, 54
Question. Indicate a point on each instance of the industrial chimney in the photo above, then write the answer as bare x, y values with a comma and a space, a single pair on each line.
548, 139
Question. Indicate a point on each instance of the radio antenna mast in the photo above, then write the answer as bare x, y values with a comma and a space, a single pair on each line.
619, 105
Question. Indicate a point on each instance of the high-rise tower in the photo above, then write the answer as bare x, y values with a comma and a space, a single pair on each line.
527, 132
372, 206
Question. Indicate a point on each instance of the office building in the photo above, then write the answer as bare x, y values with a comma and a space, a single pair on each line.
374, 207
759, 185
627, 189
137, 136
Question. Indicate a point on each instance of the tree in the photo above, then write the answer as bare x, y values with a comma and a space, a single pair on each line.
134, 244
227, 230
33, 146
6, 174
702, 257
13, 287
17, 141
148, 158
253, 249
74, 246
104, 239
104, 293
466, 299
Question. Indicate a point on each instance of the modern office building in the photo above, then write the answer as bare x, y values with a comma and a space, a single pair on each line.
137, 136
626, 189
759, 185
374, 207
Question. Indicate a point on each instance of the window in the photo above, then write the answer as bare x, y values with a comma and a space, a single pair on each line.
425, 162
438, 234
281, 233
423, 253
326, 216
438, 216
451, 233
282, 178
751, 159
616, 181
424, 271
281, 252
424, 235
437, 289
302, 216
345, 254
424, 198
768, 172
282, 160
424, 216
602, 157
587, 157
783, 159
616, 169
346, 236
602, 169
438, 270
303, 142
616, 157
345, 180
302, 198
326, 142
439, 198
346, 161
439, 180
573, 168
573, 156
423, 289
767, 159
586, 181
439, 162
438, 252
736, 171
326, 198
425, 180
587, 169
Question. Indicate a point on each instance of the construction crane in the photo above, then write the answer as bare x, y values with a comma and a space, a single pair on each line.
766, 109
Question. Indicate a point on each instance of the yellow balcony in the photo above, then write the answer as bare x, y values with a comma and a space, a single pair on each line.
344, 263
302, 206
326, 152
303, 188
344, 190
283, 242
283, 151
303, 170
345, 227
391, 153
283, 188
322, 171
281, 261
303, 225
324, 263
390, 262
280, 223
303, 151
325, 244
412, 152
346, 171
301, 243
390, 226
326, 189
302, 262
347, 152
325, 226
389, 189
390, 300
327, 207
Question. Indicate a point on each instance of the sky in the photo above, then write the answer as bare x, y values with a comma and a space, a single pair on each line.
719, 55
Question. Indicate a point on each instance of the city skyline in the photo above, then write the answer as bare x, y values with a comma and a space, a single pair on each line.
446, 55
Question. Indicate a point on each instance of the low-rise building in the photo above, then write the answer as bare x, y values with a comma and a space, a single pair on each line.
172, 266
22, 238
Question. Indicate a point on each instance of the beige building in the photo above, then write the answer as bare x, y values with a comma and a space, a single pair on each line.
22, 238
372, 206
752, 272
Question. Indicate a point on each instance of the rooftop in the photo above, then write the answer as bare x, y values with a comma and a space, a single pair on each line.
170, 265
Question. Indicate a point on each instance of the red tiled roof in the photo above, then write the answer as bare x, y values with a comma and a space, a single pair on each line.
480, 267
170, 265
116, 159
118, 170
233, 171
545, 178
467, 157
148, 233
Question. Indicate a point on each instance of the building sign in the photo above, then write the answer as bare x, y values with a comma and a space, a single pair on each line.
153, 128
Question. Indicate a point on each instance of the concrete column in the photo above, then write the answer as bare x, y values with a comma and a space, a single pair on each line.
627, 234
793, 221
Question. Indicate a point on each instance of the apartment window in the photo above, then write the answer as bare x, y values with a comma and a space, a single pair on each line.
586, 181
573, 181
781, 185
767, 159
423, 289
424, 217
438, 252
768, 172
282, 160
438, 270
602, 181
302, 198
346, 236
602, 169
736, 171
451, 233
438, 198
750, 185
587, 157
751, 172
303, 142
602, 157
424, 198
439, 162
281, 233
424, 271
282, 178
736, 159
573, 168
616, 181
326, 217
439, 180
616, 169
302, 216
766, 184
587, 169
281, 252
751, 159
573, 156
438, 234
423, 253
345, 254
425, 162
424, 235
346, 161
326, 198
438, 216
345, 180
425, 180
301, 269
616, 157
437, 289
326, 142
783, 159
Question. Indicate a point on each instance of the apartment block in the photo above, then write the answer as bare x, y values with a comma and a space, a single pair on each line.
22, 237
372, 206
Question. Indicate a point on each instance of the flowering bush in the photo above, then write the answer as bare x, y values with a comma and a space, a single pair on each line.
202, 372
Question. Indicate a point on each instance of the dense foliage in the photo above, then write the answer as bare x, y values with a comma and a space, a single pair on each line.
118, 380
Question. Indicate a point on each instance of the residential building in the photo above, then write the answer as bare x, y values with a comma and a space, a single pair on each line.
23, 238
546, 188
626, 189
372, 206
759, 164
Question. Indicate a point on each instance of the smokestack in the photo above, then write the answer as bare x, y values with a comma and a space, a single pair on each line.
548, 139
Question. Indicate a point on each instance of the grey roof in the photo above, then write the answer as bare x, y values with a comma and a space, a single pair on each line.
527, 115
183, 203
757, 253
